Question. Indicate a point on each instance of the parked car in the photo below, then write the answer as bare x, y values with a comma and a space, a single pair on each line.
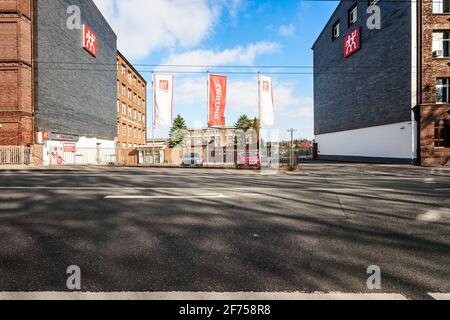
192, 159
249, 159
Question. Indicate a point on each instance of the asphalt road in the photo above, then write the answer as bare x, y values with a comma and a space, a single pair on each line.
143, 229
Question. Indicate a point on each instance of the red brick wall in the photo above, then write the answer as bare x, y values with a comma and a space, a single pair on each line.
431, 69
16, 72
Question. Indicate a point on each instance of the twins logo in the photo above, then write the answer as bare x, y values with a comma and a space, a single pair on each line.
164, 85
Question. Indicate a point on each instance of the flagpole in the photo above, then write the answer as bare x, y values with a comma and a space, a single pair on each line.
154, 120
207, 99
259, 111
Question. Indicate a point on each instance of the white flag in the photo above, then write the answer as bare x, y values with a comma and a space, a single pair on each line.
266, 104
163, 100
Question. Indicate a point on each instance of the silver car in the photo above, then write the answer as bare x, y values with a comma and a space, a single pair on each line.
192, 159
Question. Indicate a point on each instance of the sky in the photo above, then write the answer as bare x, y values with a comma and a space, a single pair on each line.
250, 33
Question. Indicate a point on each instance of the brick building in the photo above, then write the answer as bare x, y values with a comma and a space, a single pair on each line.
16, 73
131, 105
382, 94
55, 90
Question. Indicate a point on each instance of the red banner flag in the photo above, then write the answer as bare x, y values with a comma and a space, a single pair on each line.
217, 100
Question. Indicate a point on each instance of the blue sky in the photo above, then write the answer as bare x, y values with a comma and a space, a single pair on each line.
220, 32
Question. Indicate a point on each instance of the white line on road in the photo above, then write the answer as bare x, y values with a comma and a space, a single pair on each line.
440, 296
176, 296
187, 196
200, 196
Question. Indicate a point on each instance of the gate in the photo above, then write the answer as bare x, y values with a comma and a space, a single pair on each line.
15, 155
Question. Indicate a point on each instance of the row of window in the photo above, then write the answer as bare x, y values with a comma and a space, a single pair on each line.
132, 114
128, 131
352, 18
132, 79
439, 7
131, 95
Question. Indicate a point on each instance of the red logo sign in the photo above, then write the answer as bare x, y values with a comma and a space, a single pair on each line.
217, 100
45, 136
266, 86
164, 85
352, 43
89, 41
70, 147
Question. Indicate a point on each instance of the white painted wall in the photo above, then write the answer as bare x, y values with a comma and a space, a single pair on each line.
388, 141
89, 151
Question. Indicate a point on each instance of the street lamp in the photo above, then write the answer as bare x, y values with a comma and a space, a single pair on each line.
291, 161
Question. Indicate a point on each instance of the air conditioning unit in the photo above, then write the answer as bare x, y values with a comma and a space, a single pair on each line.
438, 53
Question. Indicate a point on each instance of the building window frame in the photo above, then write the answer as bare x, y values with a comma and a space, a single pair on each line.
442, 90
336, 30
441, 6
442, 134
441, 44
353, 14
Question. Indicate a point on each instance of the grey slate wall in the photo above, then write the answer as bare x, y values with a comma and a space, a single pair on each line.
73, 97
373, 86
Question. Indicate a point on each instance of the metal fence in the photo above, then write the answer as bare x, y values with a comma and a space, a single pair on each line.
93, 156
15, 155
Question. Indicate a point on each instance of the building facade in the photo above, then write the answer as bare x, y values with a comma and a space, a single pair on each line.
55, 89
131, 105
434, 81
376, 89
16, 73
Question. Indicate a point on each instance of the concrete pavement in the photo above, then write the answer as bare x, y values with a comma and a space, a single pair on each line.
185, 230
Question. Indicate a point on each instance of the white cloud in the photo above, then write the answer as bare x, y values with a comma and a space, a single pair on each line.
239, 55
144, 26
286, 30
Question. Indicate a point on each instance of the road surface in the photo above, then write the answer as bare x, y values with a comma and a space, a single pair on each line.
198, 230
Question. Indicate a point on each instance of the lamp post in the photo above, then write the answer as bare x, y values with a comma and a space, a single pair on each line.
291, 160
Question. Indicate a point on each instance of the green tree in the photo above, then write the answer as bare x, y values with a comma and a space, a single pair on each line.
244, 123
177, 132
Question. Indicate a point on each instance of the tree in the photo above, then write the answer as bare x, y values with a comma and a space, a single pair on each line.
244, 123
178, 132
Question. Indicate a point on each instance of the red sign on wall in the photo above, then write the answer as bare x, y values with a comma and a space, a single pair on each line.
70, 147
352, 42
89, 41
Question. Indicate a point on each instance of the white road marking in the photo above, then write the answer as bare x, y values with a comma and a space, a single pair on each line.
176, 296
193, 196
440, 296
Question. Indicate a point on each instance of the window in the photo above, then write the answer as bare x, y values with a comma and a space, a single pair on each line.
441, 44
442, 134
352, 15
130, 131
442, 93
135, 115
124, 109
130, 113
124, 70
336, 30
124, 130
441, 6
124, 90
118, 106
130, 94
139, 117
